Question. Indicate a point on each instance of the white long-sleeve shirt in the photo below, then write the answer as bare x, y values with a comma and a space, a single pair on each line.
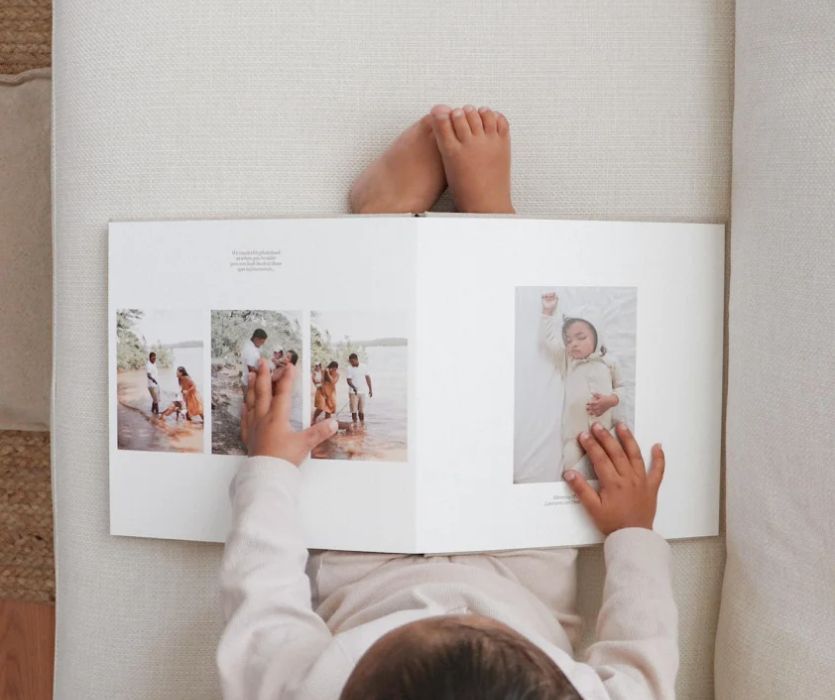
276, 646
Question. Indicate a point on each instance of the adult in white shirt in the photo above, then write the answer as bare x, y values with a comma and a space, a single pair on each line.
251, 355
152, 373
358, 378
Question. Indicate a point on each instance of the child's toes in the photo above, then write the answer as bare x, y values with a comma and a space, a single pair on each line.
502, 125
461, 125
473, 119
488, 118
442, 126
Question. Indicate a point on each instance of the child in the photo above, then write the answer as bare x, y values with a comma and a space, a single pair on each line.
343, 625
592, 385
176, 406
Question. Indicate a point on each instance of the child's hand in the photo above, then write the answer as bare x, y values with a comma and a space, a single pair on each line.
600, 403
628, 493
265, 419
549, 303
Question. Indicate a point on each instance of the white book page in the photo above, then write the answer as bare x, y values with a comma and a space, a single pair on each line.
654, 295
202, 289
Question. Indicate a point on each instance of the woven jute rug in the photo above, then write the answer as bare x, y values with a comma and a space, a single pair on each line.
25, 35
27, 570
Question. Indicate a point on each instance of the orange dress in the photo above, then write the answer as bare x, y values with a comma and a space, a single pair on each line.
194, 406
325, 397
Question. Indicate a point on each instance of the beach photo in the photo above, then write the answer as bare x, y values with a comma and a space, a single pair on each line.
240, 339
159, 380
574, 366
359, 375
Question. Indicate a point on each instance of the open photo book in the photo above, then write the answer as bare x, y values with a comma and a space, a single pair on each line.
460, 355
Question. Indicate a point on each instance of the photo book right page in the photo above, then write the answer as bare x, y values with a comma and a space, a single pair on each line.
529, 331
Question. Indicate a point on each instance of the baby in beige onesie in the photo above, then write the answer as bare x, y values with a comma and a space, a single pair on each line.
592, 385
332, 625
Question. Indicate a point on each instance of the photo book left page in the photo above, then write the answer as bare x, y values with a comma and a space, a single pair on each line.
193, 305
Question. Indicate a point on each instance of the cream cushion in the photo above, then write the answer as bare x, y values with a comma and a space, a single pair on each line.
210, 109
25, 251
777, 625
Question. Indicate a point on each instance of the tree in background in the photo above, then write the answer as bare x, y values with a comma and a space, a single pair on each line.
323, 348
131, 350
230, 329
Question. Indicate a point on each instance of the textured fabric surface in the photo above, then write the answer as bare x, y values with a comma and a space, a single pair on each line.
27, 569
209, 109
777, 624
25, 251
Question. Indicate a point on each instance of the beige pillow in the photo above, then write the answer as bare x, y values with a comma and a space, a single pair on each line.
25, 251
776, 636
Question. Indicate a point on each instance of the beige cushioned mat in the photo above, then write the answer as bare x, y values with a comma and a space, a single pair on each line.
25, 249
202, 109
777, 626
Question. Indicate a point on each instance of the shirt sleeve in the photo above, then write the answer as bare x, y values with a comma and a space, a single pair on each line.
551, 337
636, 653
272, 634
252, 357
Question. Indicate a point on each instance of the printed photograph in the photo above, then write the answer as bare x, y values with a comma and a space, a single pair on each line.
159, 380
240, 339
359, 375
574, 366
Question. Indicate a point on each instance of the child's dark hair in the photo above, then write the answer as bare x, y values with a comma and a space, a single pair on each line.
294, 356
567, 322
449, 658
333, 365
353, 356
182, 371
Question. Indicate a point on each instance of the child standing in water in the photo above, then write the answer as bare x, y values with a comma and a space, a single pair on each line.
353, 626
592, 384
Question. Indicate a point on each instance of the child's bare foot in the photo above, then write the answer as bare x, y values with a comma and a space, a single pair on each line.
475, 148
408, 177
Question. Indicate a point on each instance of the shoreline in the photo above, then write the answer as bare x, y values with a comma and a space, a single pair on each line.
138, 429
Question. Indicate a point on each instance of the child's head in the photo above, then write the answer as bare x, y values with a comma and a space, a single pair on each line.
580, 338
333, 364
456, 657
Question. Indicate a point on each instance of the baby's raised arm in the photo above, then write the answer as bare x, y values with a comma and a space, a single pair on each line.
636, 653
272, 634
550, 331
549, 303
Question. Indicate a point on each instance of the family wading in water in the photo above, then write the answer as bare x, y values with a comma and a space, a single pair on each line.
325, 380
592, 384
186, 402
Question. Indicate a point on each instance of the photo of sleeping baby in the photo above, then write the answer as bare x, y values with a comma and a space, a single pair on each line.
574, 366
240, 339
359, 375
159, 380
